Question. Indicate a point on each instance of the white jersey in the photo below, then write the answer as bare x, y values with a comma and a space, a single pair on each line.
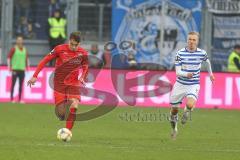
190, 62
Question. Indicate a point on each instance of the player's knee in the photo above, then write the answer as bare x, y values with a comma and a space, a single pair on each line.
60, 113
61, 109
75, 103
190, 105
174, 110
190, 102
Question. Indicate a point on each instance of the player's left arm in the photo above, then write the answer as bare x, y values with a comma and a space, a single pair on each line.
27, 61
209, 68
84, 68
53, 54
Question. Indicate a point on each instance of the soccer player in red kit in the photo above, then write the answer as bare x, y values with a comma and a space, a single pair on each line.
70, 59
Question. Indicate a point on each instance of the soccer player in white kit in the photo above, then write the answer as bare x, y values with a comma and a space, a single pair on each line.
187, 64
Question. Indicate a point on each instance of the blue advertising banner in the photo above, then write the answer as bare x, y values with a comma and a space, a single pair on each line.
141, 21
223, 6
226, 32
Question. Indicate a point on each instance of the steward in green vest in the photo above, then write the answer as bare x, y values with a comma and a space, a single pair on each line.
234, 60
57, 27
56, 31
17, 64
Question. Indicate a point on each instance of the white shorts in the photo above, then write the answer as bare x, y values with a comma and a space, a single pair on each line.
180, 91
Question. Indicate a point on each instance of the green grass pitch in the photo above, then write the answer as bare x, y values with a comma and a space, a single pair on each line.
28, 132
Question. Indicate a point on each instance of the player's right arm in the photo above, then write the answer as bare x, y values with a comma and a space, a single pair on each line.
10, 55
178, 68
181, 73
209, 68
41, 65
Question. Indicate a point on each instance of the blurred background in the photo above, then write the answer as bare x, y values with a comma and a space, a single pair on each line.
139, 22
128, 38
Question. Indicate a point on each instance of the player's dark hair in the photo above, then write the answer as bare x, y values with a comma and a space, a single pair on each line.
76, 36
237, 46
19, 36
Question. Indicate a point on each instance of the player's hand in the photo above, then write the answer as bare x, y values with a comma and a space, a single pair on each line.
82, 82
189, 75
212, 78
32, 81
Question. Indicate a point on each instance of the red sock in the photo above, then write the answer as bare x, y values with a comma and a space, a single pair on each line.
71, 118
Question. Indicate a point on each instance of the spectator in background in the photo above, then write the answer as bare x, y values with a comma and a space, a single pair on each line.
131, 60
33, 16
107, 59
22, 9
57, 5
120, 61
95, 57
56, 30
25, 28
17, 64
126, 57
53, 6
234, 60
131, 54
63, 6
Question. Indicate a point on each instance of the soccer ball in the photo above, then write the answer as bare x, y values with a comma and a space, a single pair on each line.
64, 134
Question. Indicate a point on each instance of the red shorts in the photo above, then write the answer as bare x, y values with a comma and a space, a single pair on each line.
66, 95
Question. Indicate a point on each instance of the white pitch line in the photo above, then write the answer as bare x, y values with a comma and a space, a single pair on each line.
68, 144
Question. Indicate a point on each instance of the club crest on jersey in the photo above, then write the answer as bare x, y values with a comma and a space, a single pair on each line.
52, 51
177, 58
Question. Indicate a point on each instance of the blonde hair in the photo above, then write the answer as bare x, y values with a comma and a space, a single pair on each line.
194, 33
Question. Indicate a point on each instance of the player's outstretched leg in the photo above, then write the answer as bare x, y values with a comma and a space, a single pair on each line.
188, 109
173, 121
72, 113
61, 109
67, 111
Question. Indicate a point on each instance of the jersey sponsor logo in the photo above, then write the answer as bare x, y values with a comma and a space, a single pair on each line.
76, 60
190, 67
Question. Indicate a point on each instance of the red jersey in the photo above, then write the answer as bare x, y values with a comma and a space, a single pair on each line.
68, 64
